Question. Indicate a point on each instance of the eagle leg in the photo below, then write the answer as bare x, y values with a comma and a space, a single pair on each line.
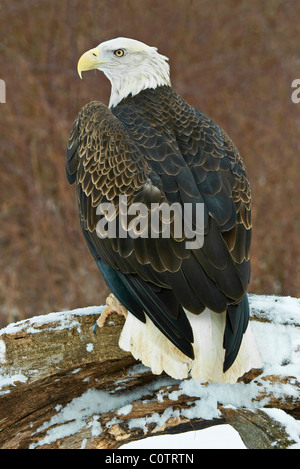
113, 306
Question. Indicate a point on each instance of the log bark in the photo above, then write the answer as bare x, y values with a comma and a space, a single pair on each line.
62, 386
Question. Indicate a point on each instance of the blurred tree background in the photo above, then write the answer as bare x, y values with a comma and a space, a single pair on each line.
233, 59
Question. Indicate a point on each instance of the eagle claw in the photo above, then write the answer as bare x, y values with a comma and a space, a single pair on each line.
113, 306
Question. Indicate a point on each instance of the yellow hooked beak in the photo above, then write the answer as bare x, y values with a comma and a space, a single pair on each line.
88, 61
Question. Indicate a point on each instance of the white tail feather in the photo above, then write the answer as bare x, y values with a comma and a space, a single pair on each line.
148, 344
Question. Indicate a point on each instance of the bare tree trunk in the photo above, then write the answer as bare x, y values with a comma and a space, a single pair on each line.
62, 386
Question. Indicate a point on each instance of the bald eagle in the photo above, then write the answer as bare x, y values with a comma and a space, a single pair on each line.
186, 305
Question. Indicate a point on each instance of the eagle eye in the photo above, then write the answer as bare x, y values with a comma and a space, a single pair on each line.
119, 52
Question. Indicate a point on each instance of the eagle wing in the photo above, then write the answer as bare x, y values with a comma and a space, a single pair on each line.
155, 157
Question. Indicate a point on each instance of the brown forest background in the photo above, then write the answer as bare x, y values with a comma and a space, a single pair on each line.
234, 60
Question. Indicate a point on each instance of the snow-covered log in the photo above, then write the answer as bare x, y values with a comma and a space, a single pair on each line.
62, 386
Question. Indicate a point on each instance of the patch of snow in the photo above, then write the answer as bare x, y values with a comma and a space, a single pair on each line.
277, 309
139, 368
160, 420
83, 443
6, 380
291, 425
2, 351
60, 320
95, 426
89, 347
125, 410
276, 344
218, 437
92, 403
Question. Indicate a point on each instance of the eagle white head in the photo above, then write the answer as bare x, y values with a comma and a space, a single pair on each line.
130, 65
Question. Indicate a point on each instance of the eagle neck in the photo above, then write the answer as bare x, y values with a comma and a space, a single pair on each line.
123, 86
151, 98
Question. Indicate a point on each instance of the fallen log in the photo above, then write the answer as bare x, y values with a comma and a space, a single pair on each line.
62, 386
